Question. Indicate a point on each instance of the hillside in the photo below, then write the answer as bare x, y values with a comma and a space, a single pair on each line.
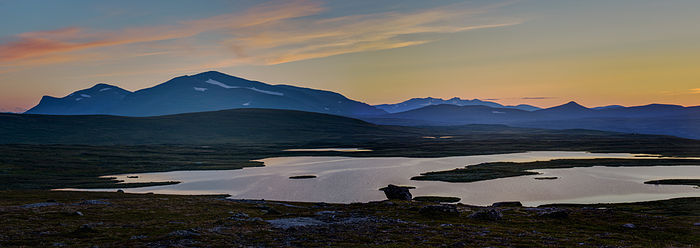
226, 126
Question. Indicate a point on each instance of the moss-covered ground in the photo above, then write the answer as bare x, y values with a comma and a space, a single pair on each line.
89, 219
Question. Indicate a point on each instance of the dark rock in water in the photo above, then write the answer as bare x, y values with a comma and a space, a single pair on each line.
545, 178
302, 177
394, 192
487, 214
132, 176
120, 191
507, 204
439, 210
555, 214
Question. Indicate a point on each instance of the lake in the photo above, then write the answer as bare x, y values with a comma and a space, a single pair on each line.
352, 179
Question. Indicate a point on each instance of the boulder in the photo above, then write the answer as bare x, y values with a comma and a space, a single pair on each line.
507, 204
394, 192
487, 214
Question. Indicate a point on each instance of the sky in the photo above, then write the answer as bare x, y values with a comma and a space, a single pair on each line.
538, 52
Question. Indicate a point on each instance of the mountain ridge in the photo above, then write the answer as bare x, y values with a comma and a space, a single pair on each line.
206, 91
415, 103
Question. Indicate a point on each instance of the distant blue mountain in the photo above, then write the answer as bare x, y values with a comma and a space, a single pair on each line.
416, 103
648, 119
206, 91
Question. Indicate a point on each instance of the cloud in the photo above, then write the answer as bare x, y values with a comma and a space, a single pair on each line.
537, 98
269, 33
695, 91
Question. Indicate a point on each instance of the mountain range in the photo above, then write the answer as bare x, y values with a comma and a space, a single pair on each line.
208, 91
416, 103
212, 91
649, 119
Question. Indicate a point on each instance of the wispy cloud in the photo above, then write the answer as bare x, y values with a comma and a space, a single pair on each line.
537, 98
270, 33
695, 91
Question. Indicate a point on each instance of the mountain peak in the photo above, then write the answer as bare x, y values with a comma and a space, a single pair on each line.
572, 104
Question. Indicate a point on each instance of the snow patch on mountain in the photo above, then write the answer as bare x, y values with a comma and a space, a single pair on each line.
266, 91
226, 86
200, 89
105, 89
222, 85
85, 95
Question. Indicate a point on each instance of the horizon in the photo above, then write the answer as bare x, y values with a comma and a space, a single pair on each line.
426, 97
540, 53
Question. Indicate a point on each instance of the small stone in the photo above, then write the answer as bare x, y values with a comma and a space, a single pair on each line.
240, 215
629, 225
78, 213
255, 219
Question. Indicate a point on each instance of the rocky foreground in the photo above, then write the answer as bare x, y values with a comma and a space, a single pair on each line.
82, 219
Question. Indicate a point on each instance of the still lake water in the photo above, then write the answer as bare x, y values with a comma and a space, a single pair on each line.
347, 179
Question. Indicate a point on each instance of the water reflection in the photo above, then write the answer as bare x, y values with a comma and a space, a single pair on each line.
345, 179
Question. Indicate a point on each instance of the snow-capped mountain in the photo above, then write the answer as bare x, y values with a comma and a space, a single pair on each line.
206, 91
416, 103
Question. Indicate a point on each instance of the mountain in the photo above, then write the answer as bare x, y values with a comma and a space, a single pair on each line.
416, 103
447, 114
648, 119
208, 91
608, 107
235, 126
88, 101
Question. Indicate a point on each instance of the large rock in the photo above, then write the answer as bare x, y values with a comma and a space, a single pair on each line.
487, 214
394, 192
507, 204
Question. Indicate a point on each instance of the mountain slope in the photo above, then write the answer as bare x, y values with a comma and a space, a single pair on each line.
416, 103
208, 91
228, 126
95, 100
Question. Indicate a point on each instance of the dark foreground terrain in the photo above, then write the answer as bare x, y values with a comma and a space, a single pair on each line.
81, 219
